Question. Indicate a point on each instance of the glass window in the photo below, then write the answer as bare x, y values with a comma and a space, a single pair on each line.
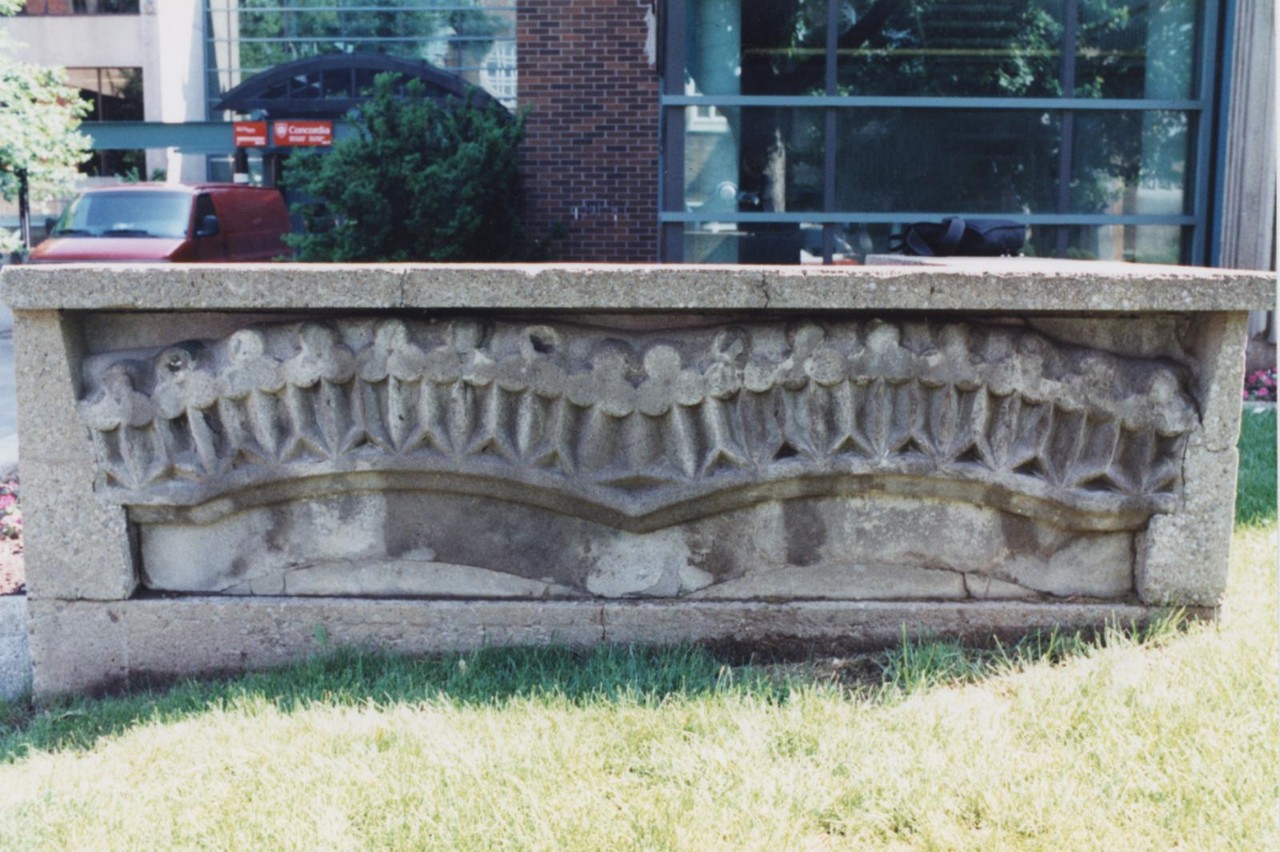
131, 214
80, 7
1130, 162
1136, 49
473, 38
204, 208
125, 163
978, 161
943, 47
933, 108
115, 93
778, 48
105, 7
1130, 243
772, 243
754, 160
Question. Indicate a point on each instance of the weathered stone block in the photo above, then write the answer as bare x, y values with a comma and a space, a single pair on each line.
1183, 556
436, 458
139, 639
75, 545
15, 659
48, 349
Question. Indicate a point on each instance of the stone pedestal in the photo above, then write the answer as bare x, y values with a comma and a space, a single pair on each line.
222, 463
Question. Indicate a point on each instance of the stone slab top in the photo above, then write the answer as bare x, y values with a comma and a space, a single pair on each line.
1024, 285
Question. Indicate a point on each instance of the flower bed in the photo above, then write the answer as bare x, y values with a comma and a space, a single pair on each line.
12, 574
1260, 385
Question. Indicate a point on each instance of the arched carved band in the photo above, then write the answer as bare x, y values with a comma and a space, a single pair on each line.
643, 429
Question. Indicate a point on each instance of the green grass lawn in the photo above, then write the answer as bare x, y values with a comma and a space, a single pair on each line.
1155, 740
1256, 486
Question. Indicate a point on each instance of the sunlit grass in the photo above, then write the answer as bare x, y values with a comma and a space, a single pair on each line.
1256, 485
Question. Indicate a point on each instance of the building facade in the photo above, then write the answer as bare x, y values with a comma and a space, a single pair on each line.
789, 131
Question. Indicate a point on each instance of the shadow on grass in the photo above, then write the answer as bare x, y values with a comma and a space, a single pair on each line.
601, 676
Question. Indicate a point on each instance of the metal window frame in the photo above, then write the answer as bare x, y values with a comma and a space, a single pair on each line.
1196, 219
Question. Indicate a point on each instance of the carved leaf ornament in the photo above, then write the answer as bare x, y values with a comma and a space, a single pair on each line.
641, 429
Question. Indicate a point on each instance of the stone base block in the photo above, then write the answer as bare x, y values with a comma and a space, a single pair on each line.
287, 458
15, 663
148, 640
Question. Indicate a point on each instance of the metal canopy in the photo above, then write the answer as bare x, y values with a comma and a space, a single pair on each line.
331, 86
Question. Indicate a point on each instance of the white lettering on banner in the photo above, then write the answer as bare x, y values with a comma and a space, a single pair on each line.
316, 133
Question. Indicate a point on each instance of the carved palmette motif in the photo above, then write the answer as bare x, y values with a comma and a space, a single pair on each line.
635, 420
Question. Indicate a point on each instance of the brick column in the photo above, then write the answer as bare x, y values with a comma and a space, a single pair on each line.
590, 157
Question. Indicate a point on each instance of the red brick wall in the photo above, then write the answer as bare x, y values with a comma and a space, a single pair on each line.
590, 156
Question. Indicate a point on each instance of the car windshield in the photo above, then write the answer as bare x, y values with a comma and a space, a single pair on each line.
126, 214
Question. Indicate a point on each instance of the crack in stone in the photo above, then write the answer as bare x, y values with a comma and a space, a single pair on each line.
764, 292
402, 300
971, 579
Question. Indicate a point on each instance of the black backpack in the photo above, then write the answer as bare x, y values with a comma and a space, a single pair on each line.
961, 238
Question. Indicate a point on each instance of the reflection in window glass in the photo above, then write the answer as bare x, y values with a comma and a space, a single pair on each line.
130, 163
852, 242
473, 38
772, 243
1136, 48
1124, 48
777, 48
1136, 243
1129, 243
754, 160
1130, 162
128, 214
115, 93
942, 47
105, 7
930, 159
898, 160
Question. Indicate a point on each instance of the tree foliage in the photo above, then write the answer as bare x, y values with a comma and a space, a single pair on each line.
39, 139
306, 28
422, 180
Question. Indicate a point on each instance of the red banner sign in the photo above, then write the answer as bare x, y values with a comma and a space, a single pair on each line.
250, 134
302, 133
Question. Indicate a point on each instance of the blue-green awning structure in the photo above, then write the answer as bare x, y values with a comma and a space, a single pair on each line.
191, 137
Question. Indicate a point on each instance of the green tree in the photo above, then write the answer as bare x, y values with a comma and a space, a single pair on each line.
306, 28
421, 181
40, 146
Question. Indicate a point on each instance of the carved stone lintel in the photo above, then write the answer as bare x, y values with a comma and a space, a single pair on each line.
642, 429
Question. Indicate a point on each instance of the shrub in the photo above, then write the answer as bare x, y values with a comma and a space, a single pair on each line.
421, 181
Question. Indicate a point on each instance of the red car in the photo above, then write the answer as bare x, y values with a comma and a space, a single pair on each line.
167, 223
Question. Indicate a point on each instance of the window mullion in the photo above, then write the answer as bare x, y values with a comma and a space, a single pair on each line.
829, 131
1066, 144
